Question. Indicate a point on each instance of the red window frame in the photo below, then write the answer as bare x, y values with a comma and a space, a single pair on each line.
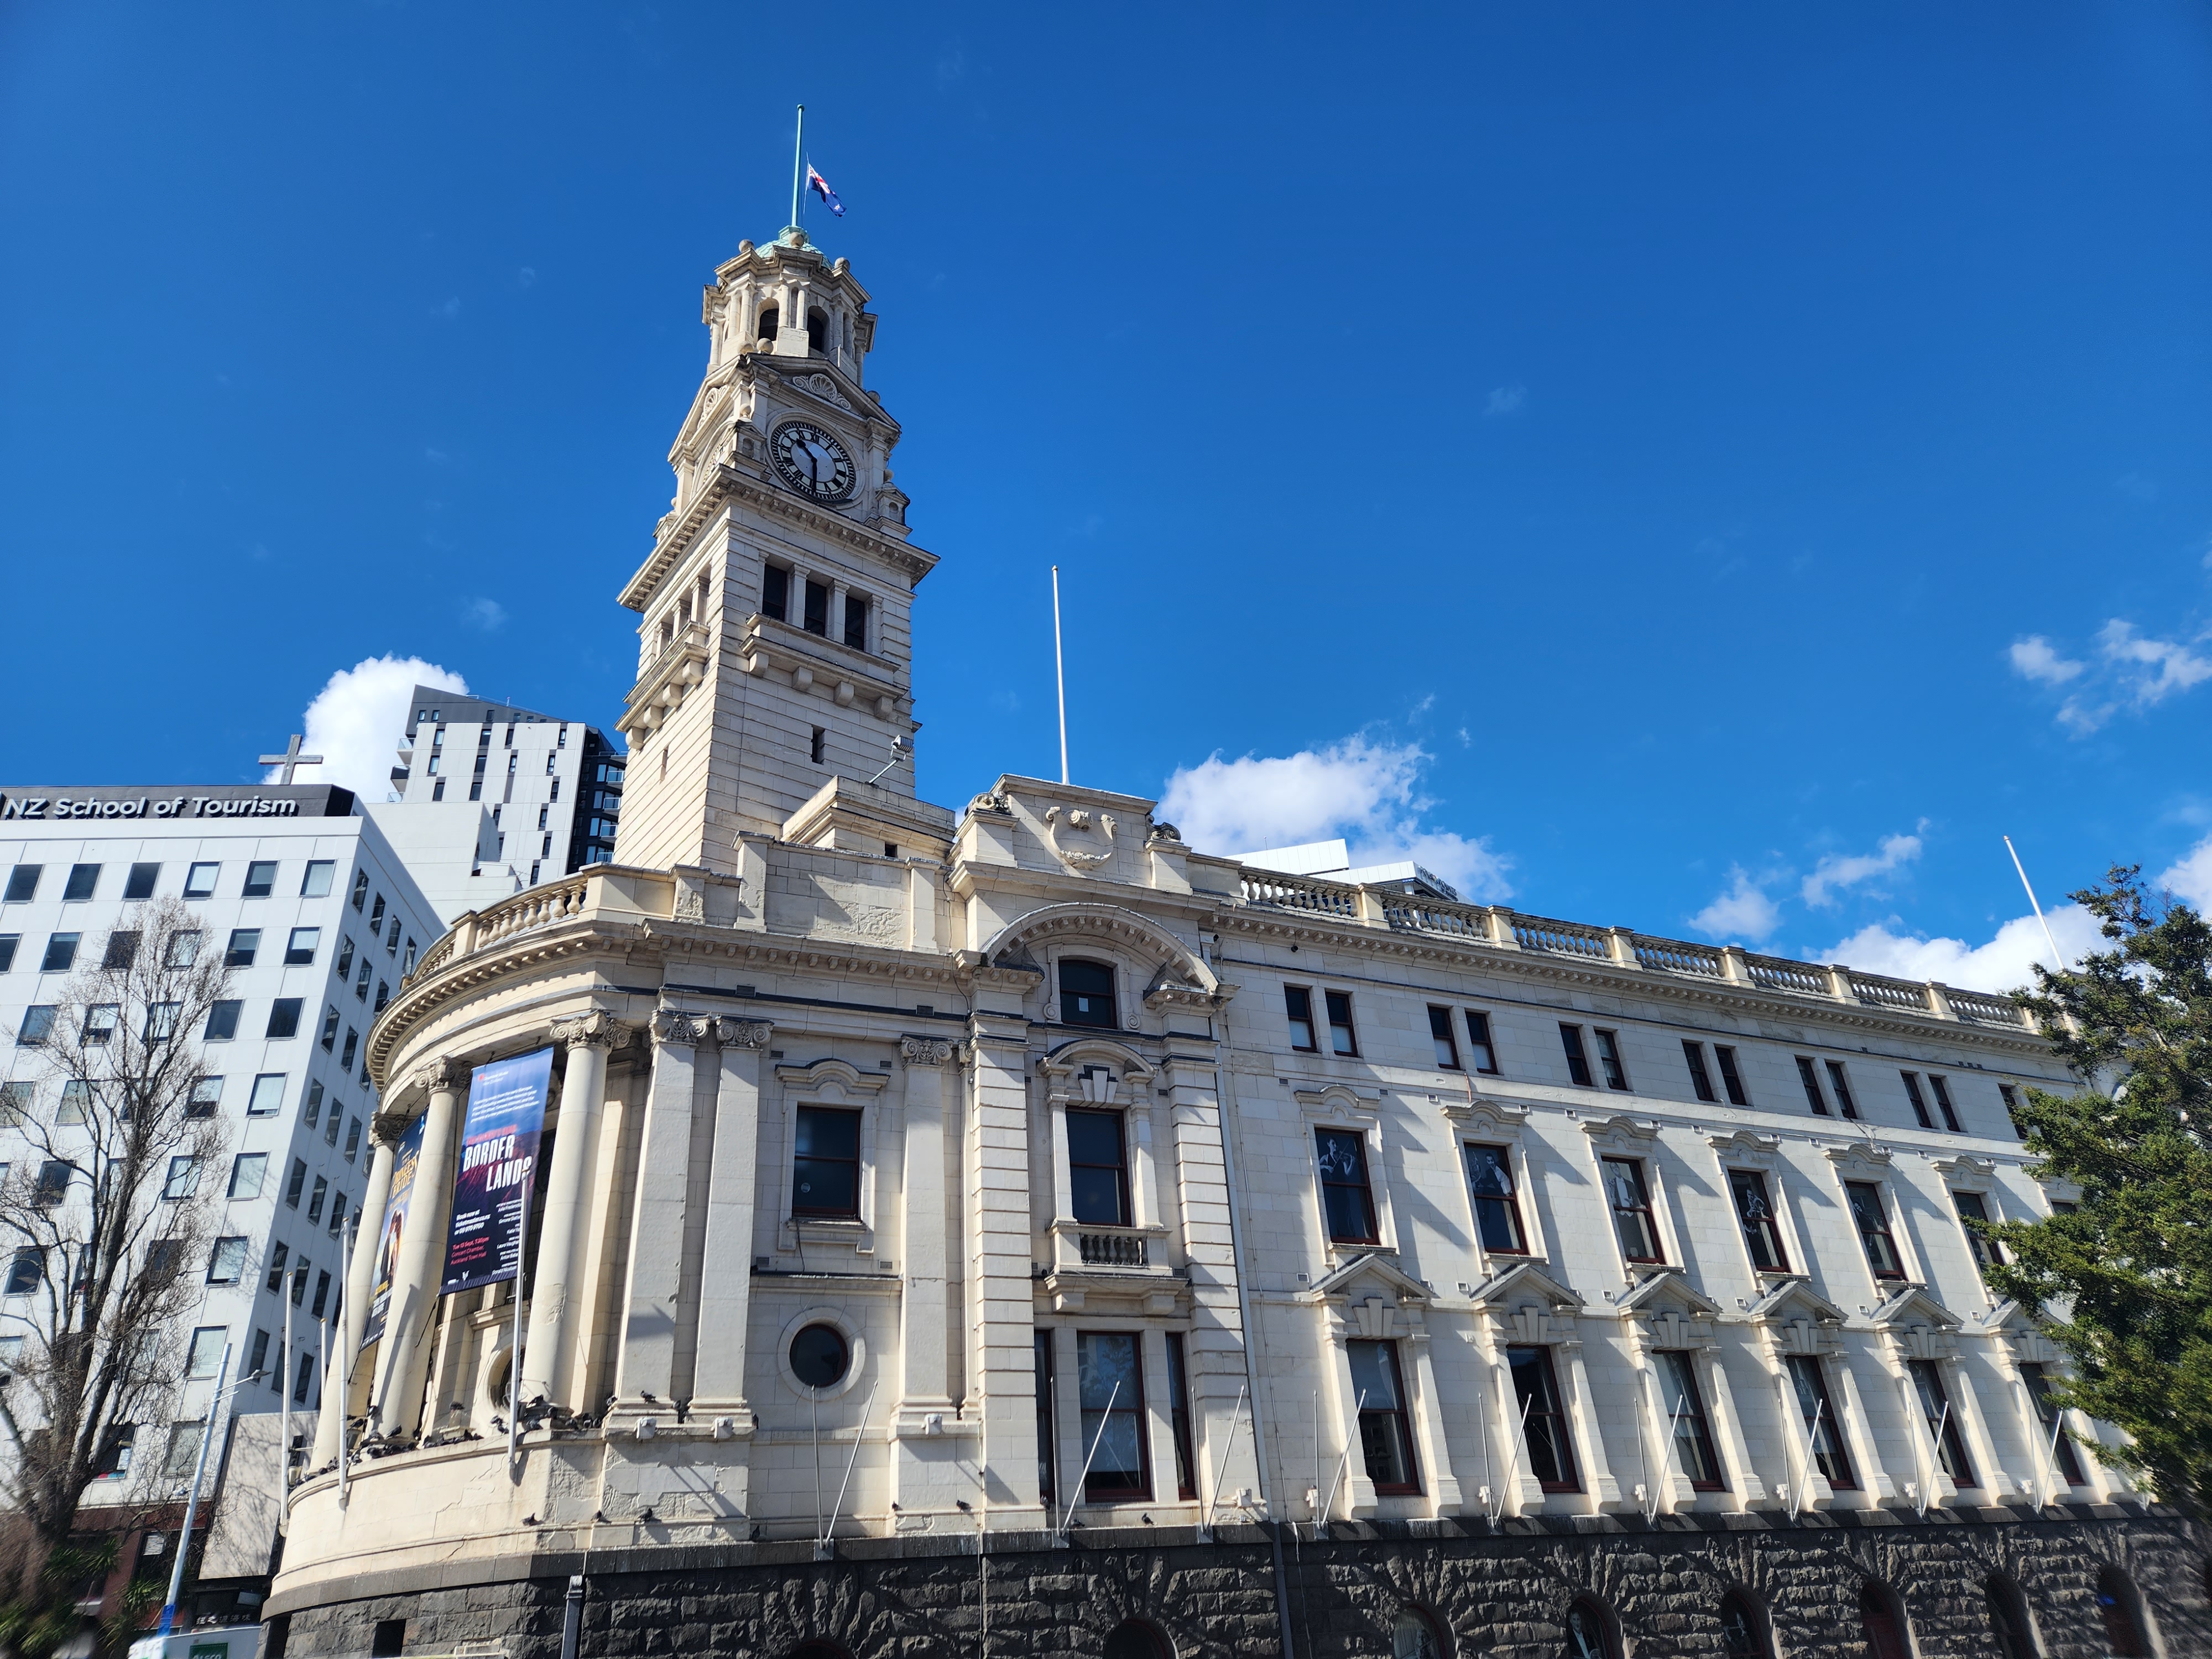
1760, 1222
1545, 1421
1870, 1215
1810, 1385
1625, 1175
1505, 1205
1386, 1428
2039, 1393
1325, 1142
1951, 1449
1691, 1433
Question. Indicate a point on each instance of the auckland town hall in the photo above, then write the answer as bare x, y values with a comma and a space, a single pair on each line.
1004, 1229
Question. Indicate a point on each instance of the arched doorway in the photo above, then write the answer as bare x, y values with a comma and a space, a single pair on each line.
2008, 1621
1133, 1639
2121, 1610
1743, 1627
1417, 1635
1882, 1621
1590, 1632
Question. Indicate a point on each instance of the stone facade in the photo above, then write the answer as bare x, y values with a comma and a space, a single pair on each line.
1024, 1174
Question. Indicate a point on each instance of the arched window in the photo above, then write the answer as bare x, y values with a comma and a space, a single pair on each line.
1743, 1627
1133, 1639
771, 320
818, 330
1881, 1618
1590, 1630
2008, 1621
2123, 1616
1417, 1635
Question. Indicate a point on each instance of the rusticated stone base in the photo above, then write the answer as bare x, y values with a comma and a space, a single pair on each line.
1499, 1590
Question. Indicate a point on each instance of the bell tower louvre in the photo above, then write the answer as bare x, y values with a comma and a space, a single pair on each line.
774, 649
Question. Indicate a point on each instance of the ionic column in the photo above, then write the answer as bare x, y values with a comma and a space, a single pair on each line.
403, 1365
547, 1360
726, 1289
652, 1311
383, 1132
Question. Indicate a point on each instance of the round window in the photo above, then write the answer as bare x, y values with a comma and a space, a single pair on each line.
819, 1356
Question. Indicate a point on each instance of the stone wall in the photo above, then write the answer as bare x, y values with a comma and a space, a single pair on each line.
1500, 1591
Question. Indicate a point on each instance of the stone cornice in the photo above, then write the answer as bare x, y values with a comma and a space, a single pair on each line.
730, 486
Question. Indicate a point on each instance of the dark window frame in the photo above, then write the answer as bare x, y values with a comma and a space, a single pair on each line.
1927, 1387
1808, 1377
1640, 1186
802, 1117
1343, 1035
1840, 1084
1179, 1424
1074, 996
1445, 1039
1364, 1187
1610, 1065
1701, 1079
1298, 1010
1094, 1489
1391, 1425
1120, 1167
1809, 1074
1505, 1205
1877, 1227
1731, 1075
1544, 1408
1578, 1065
2061, 1448
1919, 1104
1755, 1226
1939, 1086
1479, 1041
1680, 1364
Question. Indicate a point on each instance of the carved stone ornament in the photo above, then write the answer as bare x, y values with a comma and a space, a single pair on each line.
825, 388
925, 1051
991, 801
673, 1025
1163, 831
386, 1129
1081, 859
597, 1029
436, 1074
733, 1033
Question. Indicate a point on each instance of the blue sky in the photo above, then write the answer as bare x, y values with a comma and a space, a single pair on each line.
1711, 469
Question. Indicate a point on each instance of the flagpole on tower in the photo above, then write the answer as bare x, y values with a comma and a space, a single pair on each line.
798, 152
1060, 674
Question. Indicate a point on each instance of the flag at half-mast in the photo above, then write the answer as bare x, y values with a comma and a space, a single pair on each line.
820, 187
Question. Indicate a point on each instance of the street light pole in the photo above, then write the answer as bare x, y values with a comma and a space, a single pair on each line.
192, 1504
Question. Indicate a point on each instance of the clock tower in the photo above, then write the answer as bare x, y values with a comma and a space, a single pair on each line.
774, 656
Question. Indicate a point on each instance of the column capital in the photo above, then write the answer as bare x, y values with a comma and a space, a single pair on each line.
386, 1129
925, 1051
734, 1033
672, 1025
437, 1074
597, 1029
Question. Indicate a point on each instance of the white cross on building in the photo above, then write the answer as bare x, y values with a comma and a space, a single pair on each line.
291, 760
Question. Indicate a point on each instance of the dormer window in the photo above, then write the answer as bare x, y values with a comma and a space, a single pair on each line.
771, 320
817, 331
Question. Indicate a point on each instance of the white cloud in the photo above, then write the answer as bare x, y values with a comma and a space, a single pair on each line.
1367, 793
2154, 669
2033, 659
490, 615
2190, 877
357, 719
1999, 965
1743, 911
1506, 399
1833, 871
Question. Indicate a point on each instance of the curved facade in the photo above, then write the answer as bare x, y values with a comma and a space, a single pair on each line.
1012, 1229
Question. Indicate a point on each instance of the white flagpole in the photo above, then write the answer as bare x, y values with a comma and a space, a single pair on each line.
2057, 960
798, 148
1060, 674
284, 1398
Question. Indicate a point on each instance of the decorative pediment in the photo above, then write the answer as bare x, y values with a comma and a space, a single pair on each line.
1745, 1149
831, 1080
1918, 1326
1863, 1159
1525, 1304
1137, 935
1094, 1070
1967, 1166
1623, 1135
2017, 1329
1338, 1101
1171, 989
1368, 1269
1670, 1288
1486, 1115
1796, 1319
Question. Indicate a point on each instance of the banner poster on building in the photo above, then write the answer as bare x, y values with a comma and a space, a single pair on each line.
498, 1168
407, 1158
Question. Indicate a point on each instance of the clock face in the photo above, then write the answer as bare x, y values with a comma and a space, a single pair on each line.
812, 462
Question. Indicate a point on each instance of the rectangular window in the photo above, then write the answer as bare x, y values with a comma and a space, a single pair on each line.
257, 1360
226, 1261
1110, 1387
199, 880
246, 1170
856, 621
353, 1137
54, 1182
122, 949
184, 949
311, 1108
1943, 1101
316, 882
260, 879
776, 591
117, 1464
9, 944
1701, 1082
283, 1019
1440, 1033
1481, 1049
1179, 1421
1297, 1007
1086, 993
1842, 1086
303, 1378
23, 882
1386, 1440
222, 1021
139, 884
817, 617
76, 1098
316, 1200
825, 1178
1731, 1079
346, 1054
82, 879
2010, 1095
345, 957
61, 953
1974, 1217
1543, 1419
1497, 1207
359, 888
1872, 1219
15, 1100
330, 1129
329, 1026
298, 1184
1942, 1421
277, 1256
1686, 1416
24, 1269
383, 996
322, 1295
1345, 1199
39, 1024
101, 1020
337, 1213
1631, 1200
376, 916
1919, 1106
1820, 1425
1755, 1213
1609, 1059
1046, 1415
244, 944
300, 948
206, 1095
182, 1455
1098, 1168
1810, 1075
1341, 1039
1578, 1071
817, 746
184, 1178
2060, 1446
300, 1271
